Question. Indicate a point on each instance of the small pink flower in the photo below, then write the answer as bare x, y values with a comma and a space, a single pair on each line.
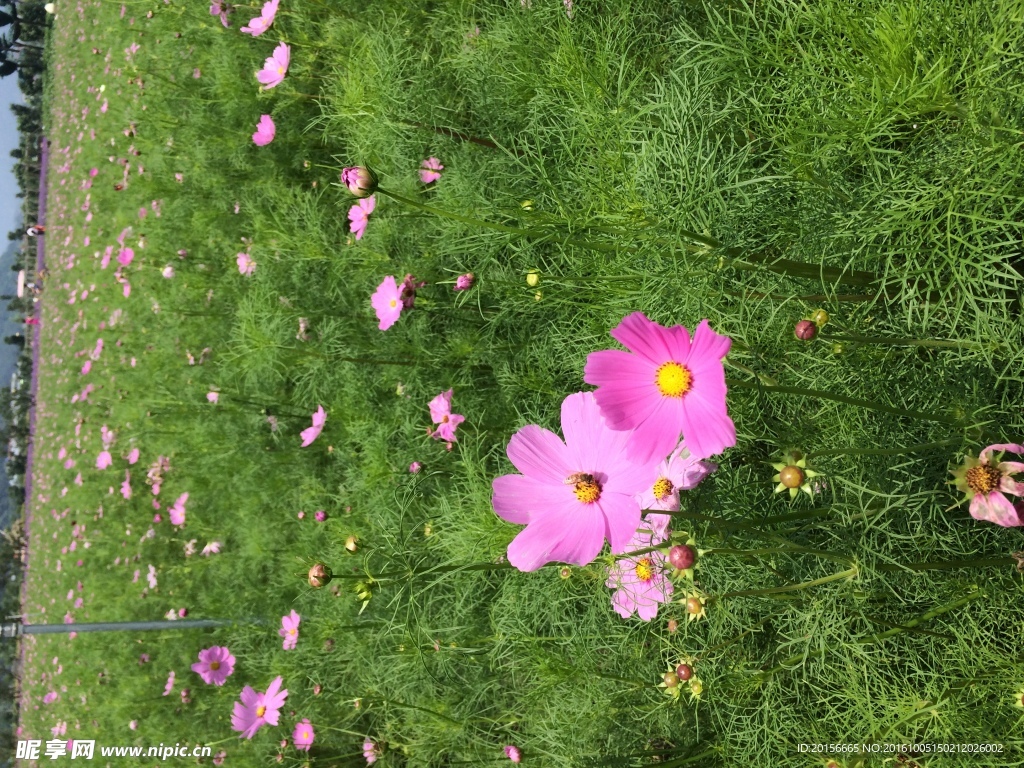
319, 515
441, 414
290, 630
359, 215
464, 282
303, 735
177, 510
415, 467
312, 433
987, 479
261, 23
125, 256
133, 455
512, 753
370, 752
246, 266
213, 397
168, 272
255, 710
212, 548
104, 460
275, 67
265, 130
170, 684
429, 170
387, 302
126, 486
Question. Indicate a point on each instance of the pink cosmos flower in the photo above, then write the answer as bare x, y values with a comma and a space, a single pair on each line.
441, 414
987, 479
387, 302
415, 467
310, 434
429, 170
290, 630
104, 460
215, 665
50, 697
246, 266
213, 397
170, 684
126, 486
664, 385
212, 548
257, 709
359, 215
370, 752
168, 272
302, 736
86, 367
640, 582
275, 67
222, 9
319, 515
573, 495
464, 282
133, 455
262, 23
679, 472
177, 510
125, 256
512, 753
265, 128
151, 577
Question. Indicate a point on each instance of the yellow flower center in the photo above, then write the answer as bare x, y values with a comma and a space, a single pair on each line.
214, 665
673, 379
645, 569
585, 486
393, 303
261, 711
291, 631
305, 734
983, 479
662, 488
280, 70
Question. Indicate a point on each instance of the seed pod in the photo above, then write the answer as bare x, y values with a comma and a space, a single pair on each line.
682, 556
320, 575
805, 330
684, 671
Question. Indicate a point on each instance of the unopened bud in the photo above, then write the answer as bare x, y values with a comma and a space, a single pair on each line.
361, 182
682, 556
671, 679
819, 317
532, 278
805, 330
320, 575
351, 543
791, 476
684, 671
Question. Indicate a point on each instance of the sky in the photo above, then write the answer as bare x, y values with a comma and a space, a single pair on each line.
10, 206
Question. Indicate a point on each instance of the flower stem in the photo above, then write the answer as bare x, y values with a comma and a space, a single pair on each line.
870, 404
781, 551
848, 573
884, 451
896, 342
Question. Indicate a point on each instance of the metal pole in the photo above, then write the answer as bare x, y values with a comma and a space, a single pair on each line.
14, 630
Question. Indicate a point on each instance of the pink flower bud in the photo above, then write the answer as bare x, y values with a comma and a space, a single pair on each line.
805, 330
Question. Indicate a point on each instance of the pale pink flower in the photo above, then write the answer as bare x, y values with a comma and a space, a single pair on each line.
168, 272
441, 414
213, 397
246, 265
415, 467
290, 630
370, 752
258, 709
387, 302
212, 548
679, 472
126, 486
177, 510
641, 583
312, 433
302, 736
104, 460
275, 67
261, 23
265, 130
170, 684
512, 753
359, 215
133, 455
125, 256
429, 170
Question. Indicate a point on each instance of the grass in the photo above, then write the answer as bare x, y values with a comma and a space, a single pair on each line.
744, 163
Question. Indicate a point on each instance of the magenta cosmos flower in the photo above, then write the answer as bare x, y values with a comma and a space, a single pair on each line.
310, 434
177, 510
303, 735
222, 9
257, 709
429, 170
359, 215
215, 665
290, 630
261, 23
640, 582
275, 67
464, 282
370, 752
666, 384
573, 495
679, 472
387, 302
265, 131
441, 414
104, 460
246, 266
986, 480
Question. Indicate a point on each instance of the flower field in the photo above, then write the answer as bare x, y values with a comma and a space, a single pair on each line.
595, 384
